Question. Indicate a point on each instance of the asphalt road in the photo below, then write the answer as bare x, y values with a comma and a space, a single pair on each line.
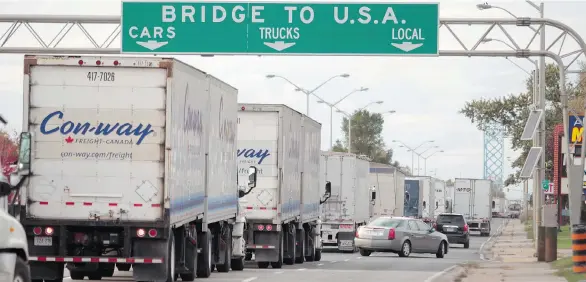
341, 267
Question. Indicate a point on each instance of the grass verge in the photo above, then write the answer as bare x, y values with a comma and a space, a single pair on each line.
564, 238
563, 268
529, 229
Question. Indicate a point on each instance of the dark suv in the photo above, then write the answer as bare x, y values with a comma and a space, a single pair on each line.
455, 227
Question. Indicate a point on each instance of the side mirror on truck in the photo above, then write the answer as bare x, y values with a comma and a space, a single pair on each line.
328, 192
252, 173
5, 187
252, 177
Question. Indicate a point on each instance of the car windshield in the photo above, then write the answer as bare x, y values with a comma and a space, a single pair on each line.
454, 219
385, 222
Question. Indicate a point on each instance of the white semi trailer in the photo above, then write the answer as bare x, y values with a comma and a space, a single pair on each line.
133, 164
388, 183
473, 199
282, 213
349, 205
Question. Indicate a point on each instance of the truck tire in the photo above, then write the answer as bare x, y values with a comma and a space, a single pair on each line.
204, 259
300, 258
76, 275
190, 261
21, 271
227, 252
311, 242
291, 239
317, 255
238, 264
279, 263
107, 269
170, 258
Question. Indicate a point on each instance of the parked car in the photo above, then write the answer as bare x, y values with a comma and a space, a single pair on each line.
454, 226
400, 235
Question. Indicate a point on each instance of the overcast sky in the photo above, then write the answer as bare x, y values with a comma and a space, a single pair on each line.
426, 92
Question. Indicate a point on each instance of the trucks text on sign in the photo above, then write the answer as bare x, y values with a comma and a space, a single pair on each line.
280, 28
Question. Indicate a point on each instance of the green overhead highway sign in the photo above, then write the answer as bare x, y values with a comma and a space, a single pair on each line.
271, 28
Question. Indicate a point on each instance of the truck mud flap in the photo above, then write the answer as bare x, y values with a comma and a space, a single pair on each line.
346, 241
150, 248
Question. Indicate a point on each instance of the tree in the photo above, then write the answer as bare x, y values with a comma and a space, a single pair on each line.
512, 111
8, 151
366, 137
450, 182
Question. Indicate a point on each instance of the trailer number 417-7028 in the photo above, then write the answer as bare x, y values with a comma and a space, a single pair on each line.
43, 241
100, 76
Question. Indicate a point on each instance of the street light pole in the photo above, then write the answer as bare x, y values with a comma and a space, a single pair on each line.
332, 105
429, 156
413, 151
307, 92
539, 139
350, 122
420, 155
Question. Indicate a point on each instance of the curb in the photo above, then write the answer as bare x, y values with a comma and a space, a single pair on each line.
490, 242
449, 274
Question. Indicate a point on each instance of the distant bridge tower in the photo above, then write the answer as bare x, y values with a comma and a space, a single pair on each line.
494, 153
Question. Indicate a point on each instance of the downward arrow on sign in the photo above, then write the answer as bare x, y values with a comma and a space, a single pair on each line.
151, 44
279, 45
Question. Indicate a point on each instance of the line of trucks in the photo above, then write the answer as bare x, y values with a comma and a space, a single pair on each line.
151, 164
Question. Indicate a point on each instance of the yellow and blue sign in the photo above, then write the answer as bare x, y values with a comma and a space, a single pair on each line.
576, 130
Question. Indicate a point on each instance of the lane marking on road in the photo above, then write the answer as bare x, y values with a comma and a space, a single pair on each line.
301, 269
249, 279
346, 259
358, 257
498, 231
320, 264
437, 275
334, 261
279, 272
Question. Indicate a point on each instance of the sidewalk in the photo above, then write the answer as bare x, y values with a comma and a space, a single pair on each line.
513, 260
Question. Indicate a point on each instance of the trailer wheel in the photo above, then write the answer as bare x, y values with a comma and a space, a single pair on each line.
227, 252
290, 238
170, 258
238, 264
279, 262
190, 261
317, 255
204, 259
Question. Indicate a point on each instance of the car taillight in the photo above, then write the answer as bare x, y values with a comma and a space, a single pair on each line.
392, 234
465, 227
49, 231
140, 232
356, 235
261, 227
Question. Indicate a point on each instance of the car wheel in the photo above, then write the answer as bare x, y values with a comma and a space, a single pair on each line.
441, 251
405, 249
467, 245
364, 252
21, 271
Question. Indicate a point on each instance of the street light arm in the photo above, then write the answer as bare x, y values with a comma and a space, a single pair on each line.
347, 95
430, 155
292, 83
323, 83
428, 141
505, 10
533, 5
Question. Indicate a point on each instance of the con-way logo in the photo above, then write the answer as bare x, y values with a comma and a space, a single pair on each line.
253, 154
68, 128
